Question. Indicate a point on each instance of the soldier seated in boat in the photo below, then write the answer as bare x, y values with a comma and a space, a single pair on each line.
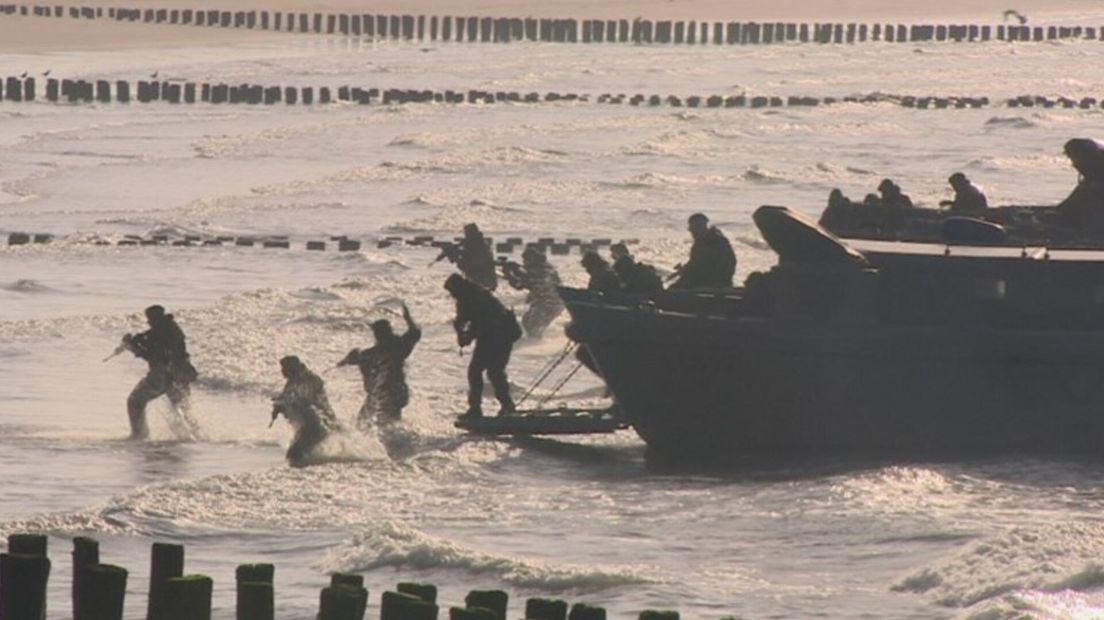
382, 370
539, 277
712, 262
602, 277
482, 319
839, 212
968, 197
892, 197
303, 402
635, 277
472, 256
1082, 208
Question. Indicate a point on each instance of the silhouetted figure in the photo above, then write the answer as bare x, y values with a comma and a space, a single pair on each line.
892, 197
303, 402
602, 277
539, 277
170, 370
1083, 208
472, 256
968, 197
494, 329
838, 214
382, 368
712, 262
634, 277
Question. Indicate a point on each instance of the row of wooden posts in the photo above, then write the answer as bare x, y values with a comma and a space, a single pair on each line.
25, 89
507, 29
99, 591
342, 243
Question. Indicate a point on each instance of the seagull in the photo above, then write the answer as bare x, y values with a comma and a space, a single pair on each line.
1014, 13
154, 76
23, 75
46, 72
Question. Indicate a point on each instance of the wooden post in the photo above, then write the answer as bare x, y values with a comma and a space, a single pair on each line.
23, 579
187, 598
399, 606
545, 609
166, 562
342, 603
495, 600
27, 544
424, 591
106, 591
86, 553
652, 614
255, 600
582, 611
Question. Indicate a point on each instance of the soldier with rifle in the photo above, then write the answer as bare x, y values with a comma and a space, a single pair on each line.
472, 256
170, 369
539, 277
304, 403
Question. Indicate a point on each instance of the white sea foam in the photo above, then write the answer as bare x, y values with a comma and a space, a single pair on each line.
394, 545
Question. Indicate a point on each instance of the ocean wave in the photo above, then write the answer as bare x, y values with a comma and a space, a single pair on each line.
26, 286
391, 545
755, 174
1012, 122
1050, 558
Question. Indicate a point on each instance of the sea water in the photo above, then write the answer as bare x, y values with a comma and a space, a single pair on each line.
583, 518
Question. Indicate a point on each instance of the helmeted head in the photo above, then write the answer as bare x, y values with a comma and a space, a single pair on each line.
592, 261
533, 256
155, 313
888, 187
619, 250
454, 284
697, 224
1086, 155
381, 329
471, 230
958, 180
290, 366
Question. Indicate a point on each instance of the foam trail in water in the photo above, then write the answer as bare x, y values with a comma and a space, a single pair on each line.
398, 546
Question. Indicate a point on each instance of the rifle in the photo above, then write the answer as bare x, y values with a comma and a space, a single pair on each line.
451, 251
123, 346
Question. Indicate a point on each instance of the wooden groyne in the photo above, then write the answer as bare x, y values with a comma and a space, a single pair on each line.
485, 29
25, 89
99, 590
340, 243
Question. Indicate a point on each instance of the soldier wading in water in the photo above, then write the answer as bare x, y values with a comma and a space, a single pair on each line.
382, 369
304, 403
170, 370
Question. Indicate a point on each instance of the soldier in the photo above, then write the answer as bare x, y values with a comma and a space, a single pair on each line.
539, 277
303, 402
712, 262
634, 277
170, 370
1082, 208
968, 197
494, 329
472, 256
602, 277
382, 369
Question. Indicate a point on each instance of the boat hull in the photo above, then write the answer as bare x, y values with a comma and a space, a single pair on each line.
721, 387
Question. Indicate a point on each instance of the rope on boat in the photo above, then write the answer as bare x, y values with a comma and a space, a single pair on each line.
560, 385
568, 349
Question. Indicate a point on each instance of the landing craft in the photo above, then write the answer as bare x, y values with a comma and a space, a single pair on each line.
883, 348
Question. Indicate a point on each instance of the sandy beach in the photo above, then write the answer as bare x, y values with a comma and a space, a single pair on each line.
37, 34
